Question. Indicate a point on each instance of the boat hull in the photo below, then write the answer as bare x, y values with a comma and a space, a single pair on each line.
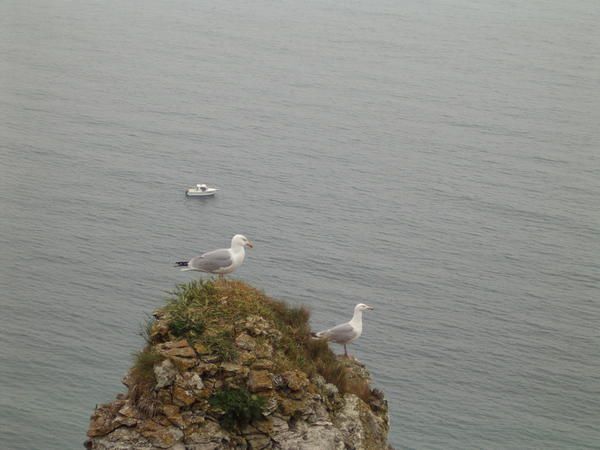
208, 193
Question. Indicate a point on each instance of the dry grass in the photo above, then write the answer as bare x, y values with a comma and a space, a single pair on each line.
142, 381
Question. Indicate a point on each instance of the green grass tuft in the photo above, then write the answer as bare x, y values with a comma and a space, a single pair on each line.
222, 345
142, 381
146, 330
196, 292
185, 308
143, 366
239, 407
184, 325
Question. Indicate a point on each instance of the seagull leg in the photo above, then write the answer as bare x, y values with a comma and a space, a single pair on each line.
345, 351
221, 276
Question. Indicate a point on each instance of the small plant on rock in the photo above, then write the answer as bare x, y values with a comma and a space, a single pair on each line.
222, 345
182, 325
142, 381
239, 407
146, 330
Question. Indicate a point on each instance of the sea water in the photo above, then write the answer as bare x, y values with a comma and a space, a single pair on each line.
437, 160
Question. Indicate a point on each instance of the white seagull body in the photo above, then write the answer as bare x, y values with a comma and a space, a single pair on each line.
221, 261
348, 332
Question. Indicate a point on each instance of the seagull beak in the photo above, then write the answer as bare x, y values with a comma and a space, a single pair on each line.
249, 244
370, 308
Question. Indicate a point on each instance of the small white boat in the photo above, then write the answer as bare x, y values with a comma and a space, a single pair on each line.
200, 190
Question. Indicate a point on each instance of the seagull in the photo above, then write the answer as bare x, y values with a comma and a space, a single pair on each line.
347, 332
221, 261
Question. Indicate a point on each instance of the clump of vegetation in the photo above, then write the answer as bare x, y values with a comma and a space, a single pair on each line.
222, 345
142, 381
146, 330
239, 407
185, 309
184, 325
143, 366
194, 293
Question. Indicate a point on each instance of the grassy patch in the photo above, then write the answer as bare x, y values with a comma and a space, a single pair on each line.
186, 306
146, 330
239, 407
142, 381
222, 345
143, 366
185, 325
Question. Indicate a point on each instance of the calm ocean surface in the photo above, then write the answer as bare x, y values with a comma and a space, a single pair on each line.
436, 159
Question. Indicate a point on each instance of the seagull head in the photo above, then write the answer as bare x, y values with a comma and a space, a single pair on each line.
362, 307
239, 240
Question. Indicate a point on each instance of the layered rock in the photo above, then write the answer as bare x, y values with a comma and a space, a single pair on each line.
239, 375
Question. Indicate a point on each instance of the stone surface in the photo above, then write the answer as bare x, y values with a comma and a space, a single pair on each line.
245, 342
262, 364
312, 438
356, 421
103, 420
179, 348
200, 348
183, 364
236, 369
210, 435
165, 373
295, 380
182, 396
259, 326
264, 350
298, 420
160, 435
259, 380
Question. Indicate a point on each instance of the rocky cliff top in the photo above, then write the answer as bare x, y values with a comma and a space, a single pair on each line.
226, 367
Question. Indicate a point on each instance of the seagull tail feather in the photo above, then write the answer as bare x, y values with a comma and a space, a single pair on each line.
184, 266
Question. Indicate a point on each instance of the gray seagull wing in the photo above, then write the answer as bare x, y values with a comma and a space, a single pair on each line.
339, 334
211, 261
